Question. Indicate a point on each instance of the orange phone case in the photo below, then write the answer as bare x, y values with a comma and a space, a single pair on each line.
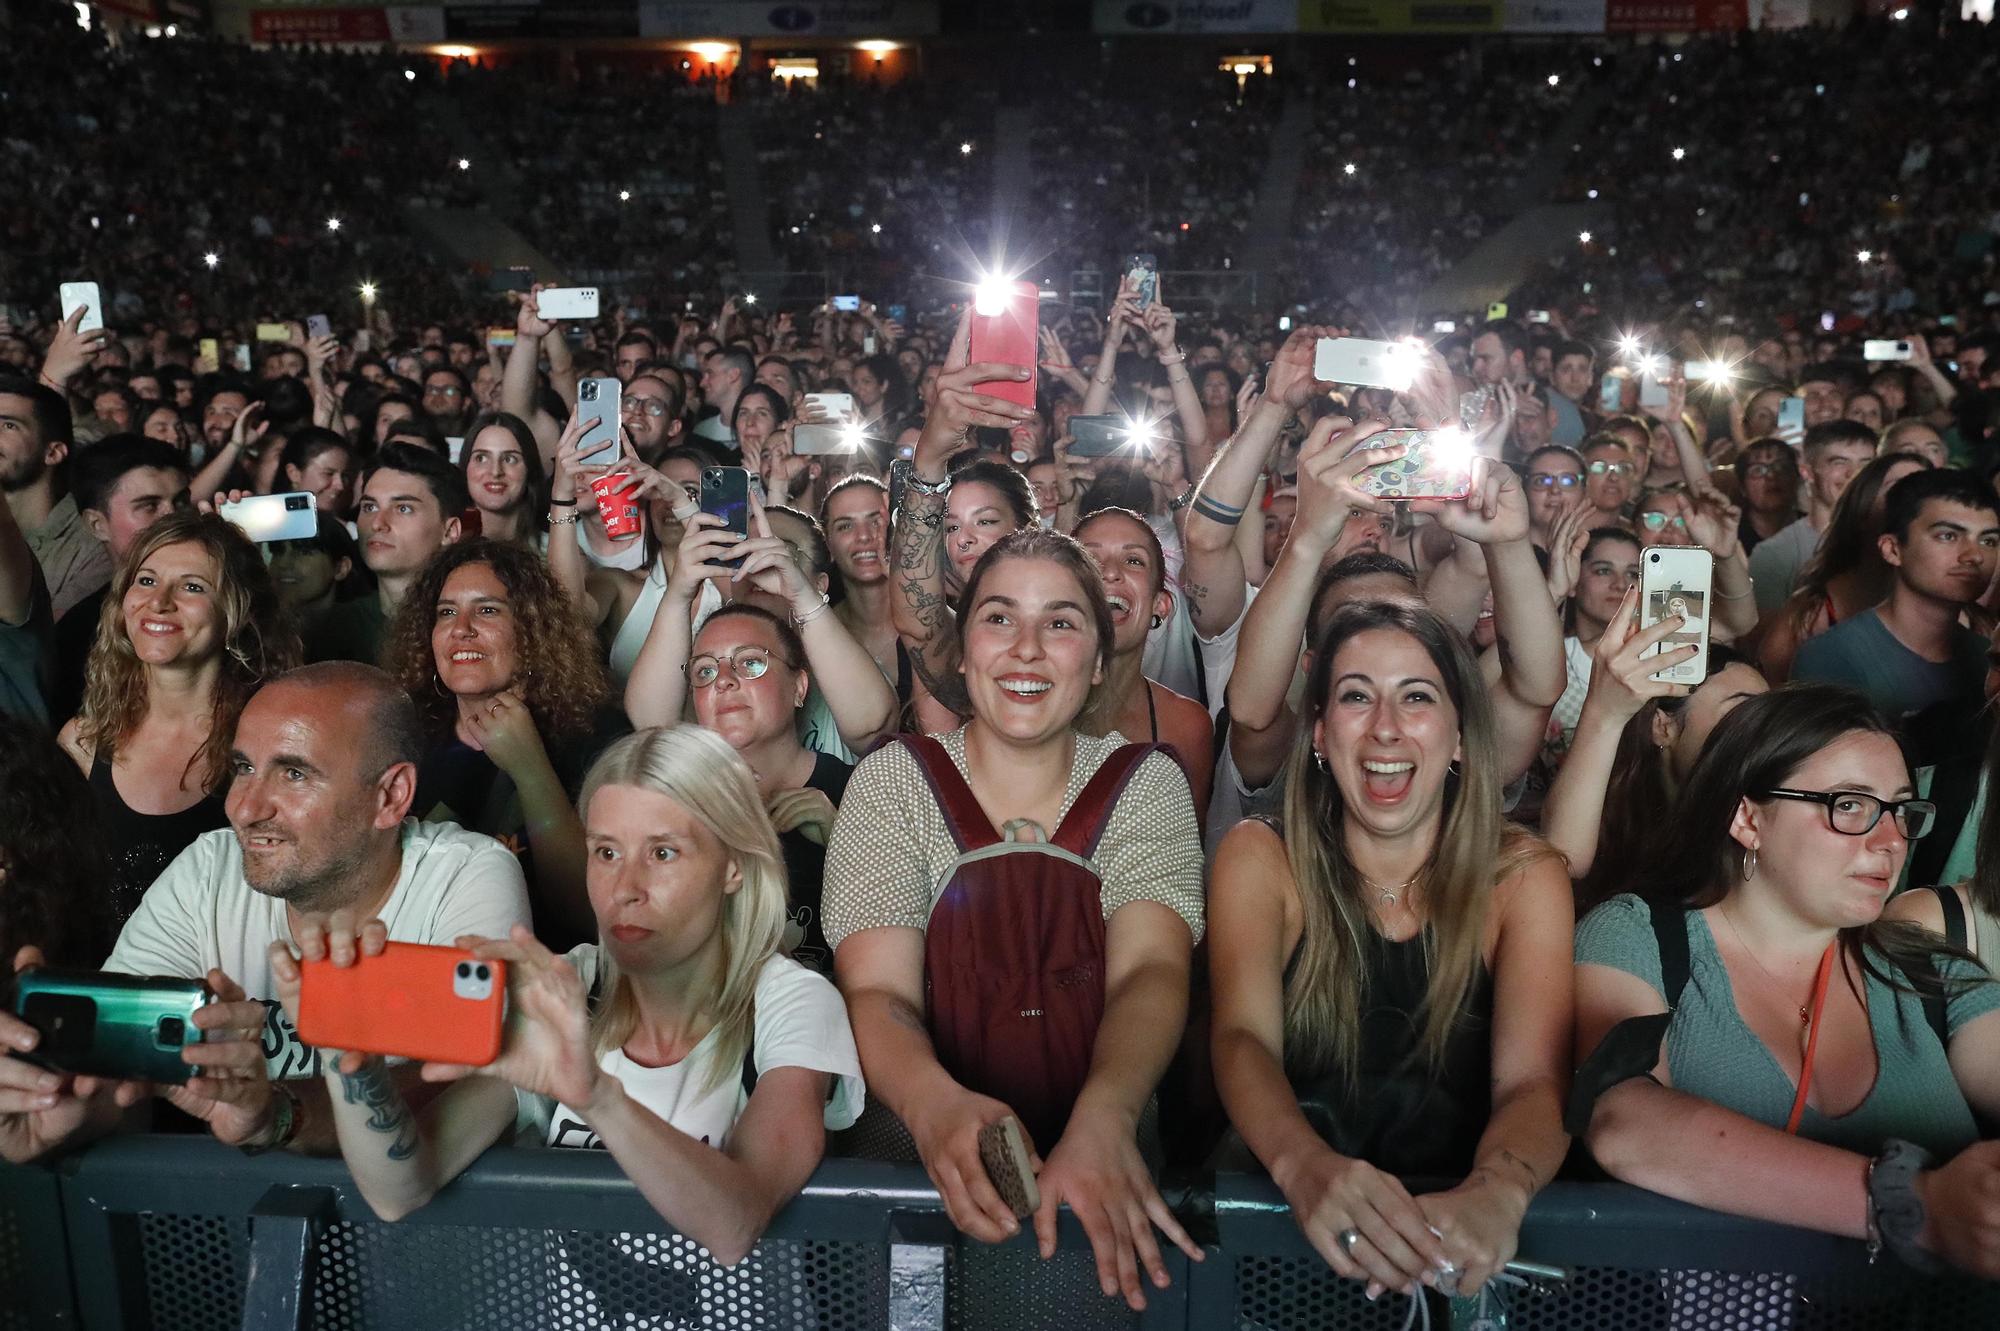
411, 1002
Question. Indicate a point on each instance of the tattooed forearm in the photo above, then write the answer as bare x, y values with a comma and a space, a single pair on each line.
934, 657
372, 1089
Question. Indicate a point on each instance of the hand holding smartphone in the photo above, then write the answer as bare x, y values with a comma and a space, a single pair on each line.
72, 294
1003, 1150
1436, 465
1004, 332
434, 1004
555, 303
1678, 580
599, 403
725, 493
102, 1024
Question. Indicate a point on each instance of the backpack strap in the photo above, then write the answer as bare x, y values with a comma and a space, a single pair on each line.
1954, 914
970, 828
1083, 826
1632, 1047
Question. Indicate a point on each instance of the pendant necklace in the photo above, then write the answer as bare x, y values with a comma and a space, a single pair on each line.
1389, 896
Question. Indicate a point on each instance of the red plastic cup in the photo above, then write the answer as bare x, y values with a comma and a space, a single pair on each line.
618, 508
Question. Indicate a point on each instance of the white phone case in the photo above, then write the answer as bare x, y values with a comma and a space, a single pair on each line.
1678, 580
278, 517
1356, 360
567, 303
73, 294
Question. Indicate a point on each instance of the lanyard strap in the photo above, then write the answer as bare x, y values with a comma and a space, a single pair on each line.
1812, 1037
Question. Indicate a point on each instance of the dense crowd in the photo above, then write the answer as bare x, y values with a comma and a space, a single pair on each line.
968, 791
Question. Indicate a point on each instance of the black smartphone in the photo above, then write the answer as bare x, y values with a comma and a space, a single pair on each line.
107, 1025
725, 492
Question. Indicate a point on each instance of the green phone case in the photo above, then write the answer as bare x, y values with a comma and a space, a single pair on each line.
107, 1025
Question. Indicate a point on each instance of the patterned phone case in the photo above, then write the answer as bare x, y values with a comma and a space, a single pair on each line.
1005, 1156
1420, 473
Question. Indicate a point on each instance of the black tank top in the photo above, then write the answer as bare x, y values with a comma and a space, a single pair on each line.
1397, 1113
140, 845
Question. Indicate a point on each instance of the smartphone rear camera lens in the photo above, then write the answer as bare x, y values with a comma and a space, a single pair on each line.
1656, 559
464, 969
482, 973
172, 1033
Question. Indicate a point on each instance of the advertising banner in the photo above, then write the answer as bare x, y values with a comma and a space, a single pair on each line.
318, 25
1555, 15
788, 18
1195, 16
1400, 15
1675, 15
497, 21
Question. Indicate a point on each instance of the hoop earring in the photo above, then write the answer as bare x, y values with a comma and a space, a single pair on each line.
1749, 864
437, 687
1319, 761
1158, 620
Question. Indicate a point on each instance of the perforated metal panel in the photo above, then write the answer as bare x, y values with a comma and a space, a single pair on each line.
13, 1271
1284, 1294
1012, 1289
196, 1266
438, 1277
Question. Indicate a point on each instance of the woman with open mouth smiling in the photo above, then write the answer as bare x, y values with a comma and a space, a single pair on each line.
1047, 981
191, 626
1388, 967
1134, 574
513, 693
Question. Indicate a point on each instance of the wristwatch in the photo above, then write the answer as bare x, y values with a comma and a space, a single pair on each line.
284, 1122
904, 472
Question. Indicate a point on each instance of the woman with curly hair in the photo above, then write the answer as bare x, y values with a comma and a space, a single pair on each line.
507, 678
191, 626
52, 871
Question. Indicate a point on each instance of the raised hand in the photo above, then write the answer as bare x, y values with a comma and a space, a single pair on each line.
71, 350
959, 405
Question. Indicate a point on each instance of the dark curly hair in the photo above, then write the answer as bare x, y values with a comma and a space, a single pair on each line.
53, 874
560, 674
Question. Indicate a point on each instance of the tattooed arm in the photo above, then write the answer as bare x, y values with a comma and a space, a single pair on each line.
918, 607
919, 610
400, 1157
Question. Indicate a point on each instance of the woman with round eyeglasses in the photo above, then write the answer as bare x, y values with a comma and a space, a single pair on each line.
1796, 1057
1767, 486
1609, 478
1554, 484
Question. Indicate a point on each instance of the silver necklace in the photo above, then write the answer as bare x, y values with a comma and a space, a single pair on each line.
1387, 896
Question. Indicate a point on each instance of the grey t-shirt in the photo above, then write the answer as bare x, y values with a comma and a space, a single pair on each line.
1711, 1053
1775, 564
1861, 653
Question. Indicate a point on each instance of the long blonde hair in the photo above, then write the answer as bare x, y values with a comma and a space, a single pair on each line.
258, 641
697, 770
1475, 849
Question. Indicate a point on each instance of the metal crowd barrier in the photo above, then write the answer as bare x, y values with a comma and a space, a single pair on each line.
180, 1233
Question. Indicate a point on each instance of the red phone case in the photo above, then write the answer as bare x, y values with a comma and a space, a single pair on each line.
404, 1003
1008, 338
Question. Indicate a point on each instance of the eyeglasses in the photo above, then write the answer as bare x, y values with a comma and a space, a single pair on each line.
1657, 521
1603, 468
652, 406
1759, 470
1852, 813
1549, 480
443, 390
748, 663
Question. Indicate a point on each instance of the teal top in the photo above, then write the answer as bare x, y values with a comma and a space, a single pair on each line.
1712, 1054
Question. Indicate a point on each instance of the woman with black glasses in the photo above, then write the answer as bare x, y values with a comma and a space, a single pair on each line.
1761, 1041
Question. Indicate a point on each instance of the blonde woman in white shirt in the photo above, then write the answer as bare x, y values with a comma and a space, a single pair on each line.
684, 1042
